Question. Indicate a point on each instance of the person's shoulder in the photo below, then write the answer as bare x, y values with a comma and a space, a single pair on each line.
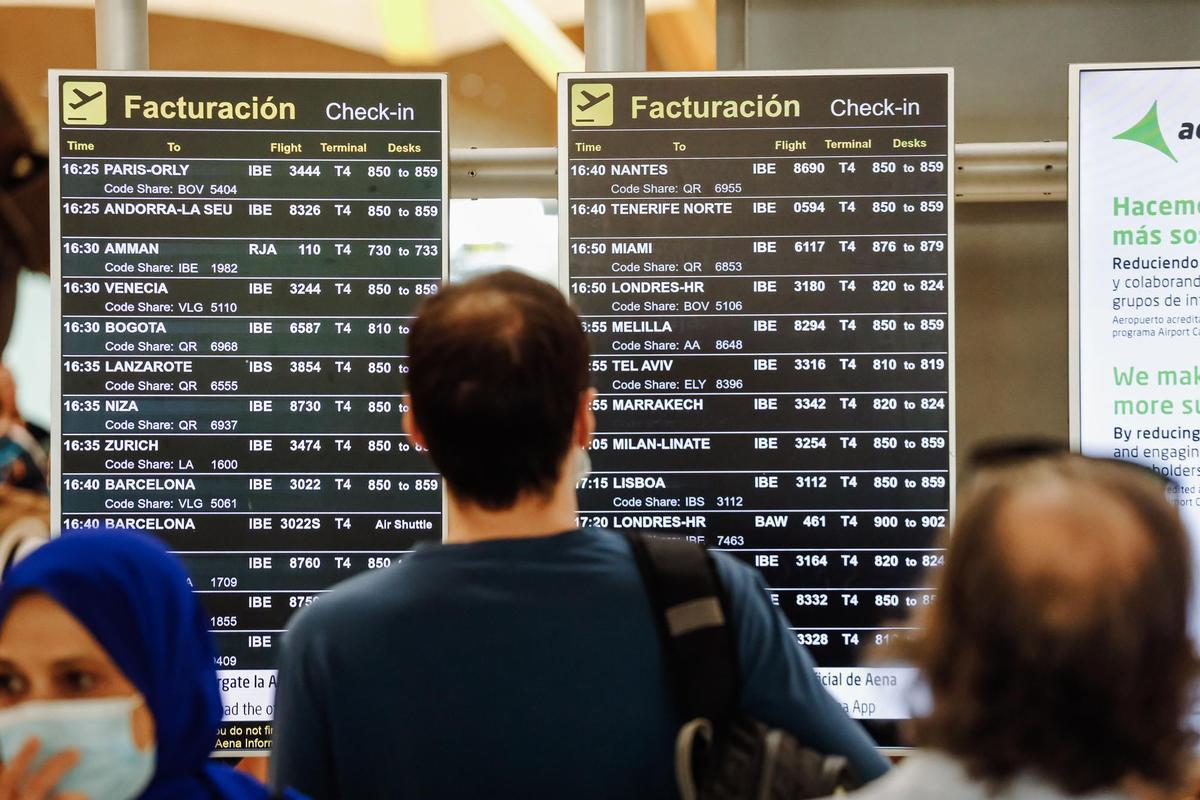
587, 546
607, 542
925, 775
737, 576
346, 602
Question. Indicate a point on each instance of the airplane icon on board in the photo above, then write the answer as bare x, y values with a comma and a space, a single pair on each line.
592, 99
84, 103
592, 104
84, 98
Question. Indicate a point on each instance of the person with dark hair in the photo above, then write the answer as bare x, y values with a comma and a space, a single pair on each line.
108, 683
520, 658
1057, 652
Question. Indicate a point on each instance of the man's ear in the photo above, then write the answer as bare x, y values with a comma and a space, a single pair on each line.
585, 419
410, 425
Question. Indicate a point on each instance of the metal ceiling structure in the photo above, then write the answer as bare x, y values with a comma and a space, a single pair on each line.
615, 40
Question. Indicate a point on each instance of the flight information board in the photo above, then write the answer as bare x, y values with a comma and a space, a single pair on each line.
763, 263
238, 259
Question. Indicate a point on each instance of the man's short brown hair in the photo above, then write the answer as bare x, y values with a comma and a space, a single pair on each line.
496, 369
1059, 640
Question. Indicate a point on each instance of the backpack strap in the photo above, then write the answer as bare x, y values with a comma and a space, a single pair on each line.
692, 615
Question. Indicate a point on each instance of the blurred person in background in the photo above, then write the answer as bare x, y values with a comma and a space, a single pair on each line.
24, 525
1057, 653
24, 500
108, 688
23, 460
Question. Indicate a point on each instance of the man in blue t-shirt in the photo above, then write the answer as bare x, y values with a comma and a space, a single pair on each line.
520, 658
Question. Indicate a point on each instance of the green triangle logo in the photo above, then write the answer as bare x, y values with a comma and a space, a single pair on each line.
1148, 132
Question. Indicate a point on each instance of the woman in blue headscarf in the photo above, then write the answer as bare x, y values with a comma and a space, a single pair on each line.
108, 689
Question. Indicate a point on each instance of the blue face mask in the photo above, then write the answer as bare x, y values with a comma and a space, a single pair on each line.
110, 767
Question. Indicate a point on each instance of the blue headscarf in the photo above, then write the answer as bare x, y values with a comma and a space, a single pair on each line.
135, 599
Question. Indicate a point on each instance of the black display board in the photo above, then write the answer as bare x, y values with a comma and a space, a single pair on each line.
763, 263
237, 263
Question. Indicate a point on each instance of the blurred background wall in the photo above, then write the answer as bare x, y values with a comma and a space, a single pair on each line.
497, 98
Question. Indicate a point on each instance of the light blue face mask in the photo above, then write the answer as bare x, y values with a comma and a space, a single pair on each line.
110, 767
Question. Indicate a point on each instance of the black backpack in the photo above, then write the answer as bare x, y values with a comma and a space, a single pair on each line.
720, 752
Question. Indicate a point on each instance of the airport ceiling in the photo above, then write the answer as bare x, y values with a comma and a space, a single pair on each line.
403, 31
